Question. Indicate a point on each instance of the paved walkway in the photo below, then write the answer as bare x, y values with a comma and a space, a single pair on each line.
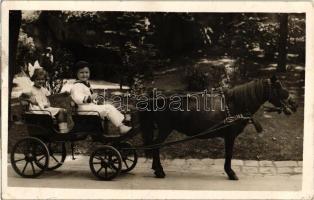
264, 167
182, 174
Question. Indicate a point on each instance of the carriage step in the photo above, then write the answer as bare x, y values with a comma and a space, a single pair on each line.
112, 136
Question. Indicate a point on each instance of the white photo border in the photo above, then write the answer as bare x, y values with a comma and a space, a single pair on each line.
169, 6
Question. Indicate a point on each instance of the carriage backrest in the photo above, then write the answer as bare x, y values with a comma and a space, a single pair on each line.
24, 105
24, 100
87, 123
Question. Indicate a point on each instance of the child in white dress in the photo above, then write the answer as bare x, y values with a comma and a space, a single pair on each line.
84, 97
39, 103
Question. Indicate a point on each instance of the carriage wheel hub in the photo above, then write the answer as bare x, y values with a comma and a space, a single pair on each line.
103, 164
29, 158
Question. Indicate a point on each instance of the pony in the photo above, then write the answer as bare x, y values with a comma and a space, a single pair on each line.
245, 98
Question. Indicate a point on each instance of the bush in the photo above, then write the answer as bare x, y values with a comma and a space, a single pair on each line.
26, 51
195, 79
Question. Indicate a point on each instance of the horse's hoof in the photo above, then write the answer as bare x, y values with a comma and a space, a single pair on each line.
160, 174
233, 177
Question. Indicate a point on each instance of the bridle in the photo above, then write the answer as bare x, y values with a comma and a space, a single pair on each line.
284, 103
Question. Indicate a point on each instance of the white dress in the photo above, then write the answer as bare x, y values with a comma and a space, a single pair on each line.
81, 94
40, 95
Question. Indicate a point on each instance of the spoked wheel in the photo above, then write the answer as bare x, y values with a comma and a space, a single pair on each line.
128, 155
57, 152
105, 163
26, 156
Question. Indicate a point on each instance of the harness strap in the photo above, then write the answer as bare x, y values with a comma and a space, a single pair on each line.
211, 130
217, 127
246, 116
234, 118
226, 105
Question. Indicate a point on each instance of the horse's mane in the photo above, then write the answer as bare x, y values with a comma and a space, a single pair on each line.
248, 96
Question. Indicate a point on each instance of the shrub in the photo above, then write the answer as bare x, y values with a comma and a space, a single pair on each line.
195, 79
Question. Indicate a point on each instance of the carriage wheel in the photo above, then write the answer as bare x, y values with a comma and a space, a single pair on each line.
105, 163
57, 152
129, 156
25, 156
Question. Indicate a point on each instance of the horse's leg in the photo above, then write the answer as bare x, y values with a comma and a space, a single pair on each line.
156, 165
229, 142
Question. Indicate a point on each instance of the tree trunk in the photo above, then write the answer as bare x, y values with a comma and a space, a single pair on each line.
15, 18
282, 43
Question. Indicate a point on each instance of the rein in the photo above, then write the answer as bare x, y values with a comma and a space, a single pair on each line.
221, 125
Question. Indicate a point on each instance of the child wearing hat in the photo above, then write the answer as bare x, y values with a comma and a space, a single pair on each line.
84, 97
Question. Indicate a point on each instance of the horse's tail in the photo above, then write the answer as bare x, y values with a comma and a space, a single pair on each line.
146, 120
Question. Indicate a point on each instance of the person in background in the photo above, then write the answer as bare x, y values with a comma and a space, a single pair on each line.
46, 61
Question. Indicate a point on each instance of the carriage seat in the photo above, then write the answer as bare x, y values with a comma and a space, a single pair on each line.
25, 109
44, 125
92, 122
88, 121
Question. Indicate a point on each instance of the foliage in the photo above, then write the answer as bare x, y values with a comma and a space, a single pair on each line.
181, 34
296, 43
138, 86
195, 79
297, 27
26, 52
134, 37
241, 35
63, 61
245, 33
125, 33
30, 16
141, 41
62, 69
268, 38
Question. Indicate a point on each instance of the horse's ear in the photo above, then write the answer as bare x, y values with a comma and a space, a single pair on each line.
273, 79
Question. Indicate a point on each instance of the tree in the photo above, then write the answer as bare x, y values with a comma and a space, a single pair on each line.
116, 44
282, 43
15, 18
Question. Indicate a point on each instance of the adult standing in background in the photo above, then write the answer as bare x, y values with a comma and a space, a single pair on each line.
46, 61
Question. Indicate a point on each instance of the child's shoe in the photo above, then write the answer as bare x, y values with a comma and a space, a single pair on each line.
127, 117
124, 129
127, 120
